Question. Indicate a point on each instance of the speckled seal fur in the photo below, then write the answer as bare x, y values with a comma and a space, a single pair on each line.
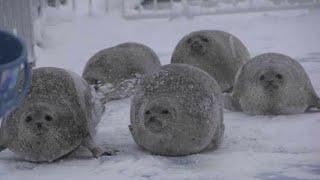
218, 53
116, 71
59, 115
272, 84
177, 111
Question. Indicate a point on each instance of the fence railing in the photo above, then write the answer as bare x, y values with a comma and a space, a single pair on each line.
74, 4
190, 8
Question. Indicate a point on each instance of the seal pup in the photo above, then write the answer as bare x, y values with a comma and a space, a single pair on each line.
59, 115
218, 53
272, 84
116, 71
177, 111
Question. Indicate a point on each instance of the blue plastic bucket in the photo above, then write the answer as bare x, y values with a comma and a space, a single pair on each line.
13, 62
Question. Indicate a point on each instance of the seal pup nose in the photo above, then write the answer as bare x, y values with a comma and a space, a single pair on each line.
197, 46
39, 125
154, 124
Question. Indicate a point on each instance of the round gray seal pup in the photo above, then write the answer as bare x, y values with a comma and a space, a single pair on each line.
59, 114
272, 84
116, 71
218, 53
177, 111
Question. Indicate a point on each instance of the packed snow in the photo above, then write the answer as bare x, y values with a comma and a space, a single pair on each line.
254, 147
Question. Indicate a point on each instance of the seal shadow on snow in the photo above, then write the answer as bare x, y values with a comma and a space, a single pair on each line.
276, 176
186, 161
309, 168
314, 169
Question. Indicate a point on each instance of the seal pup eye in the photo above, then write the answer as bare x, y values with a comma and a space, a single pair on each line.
189, 40
205, 39
147, 112
262, 78
279, 76
165, 112
48, 118
28, 119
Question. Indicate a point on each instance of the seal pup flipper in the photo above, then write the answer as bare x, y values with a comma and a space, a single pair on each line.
230, 103
96, 150
229, 90
315, 107
2, 145
3, 139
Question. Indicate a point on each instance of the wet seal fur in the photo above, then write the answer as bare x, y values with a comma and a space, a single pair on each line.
272, 84
177, 111
116, 71
59, 115
218, 53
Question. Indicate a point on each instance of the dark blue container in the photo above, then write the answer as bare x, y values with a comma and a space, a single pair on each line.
13, 62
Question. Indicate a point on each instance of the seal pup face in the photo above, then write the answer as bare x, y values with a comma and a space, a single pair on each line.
271, 81
198, 45
38, 121
44, 132
158, 113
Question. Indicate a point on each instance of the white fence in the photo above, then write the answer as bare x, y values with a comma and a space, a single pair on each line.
74, 4
135, 9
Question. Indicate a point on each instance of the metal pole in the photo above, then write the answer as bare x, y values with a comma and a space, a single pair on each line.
90, 7
123, 8
107, 5
155, 4
57, 3
74, 5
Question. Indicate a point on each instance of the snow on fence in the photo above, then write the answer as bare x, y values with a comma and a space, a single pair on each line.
135, 9
18, 16
74, 4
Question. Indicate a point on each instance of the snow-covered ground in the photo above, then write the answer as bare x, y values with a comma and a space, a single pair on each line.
254, 147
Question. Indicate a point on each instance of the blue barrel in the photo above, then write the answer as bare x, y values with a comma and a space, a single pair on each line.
13, 63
